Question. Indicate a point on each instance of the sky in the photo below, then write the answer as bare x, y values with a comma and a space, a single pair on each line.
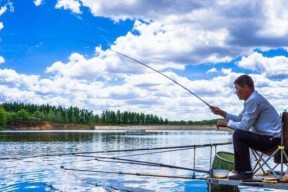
63, 53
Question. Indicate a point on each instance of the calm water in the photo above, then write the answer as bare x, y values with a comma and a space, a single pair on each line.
44, 173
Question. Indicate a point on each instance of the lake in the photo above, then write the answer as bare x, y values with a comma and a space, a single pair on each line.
83, 161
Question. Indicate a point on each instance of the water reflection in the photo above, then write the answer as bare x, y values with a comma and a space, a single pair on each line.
44, 173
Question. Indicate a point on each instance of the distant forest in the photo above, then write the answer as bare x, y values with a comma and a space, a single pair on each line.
17, 113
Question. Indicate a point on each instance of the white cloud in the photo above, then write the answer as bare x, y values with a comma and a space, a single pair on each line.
79, 67
193, 32
166, 35
38, 2
274, 16
274, 66
3, 10
107, 65
2, 60
226, 71
171, 42
73, 5
146, 92
212, 70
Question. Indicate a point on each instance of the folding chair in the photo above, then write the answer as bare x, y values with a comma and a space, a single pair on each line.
279, 153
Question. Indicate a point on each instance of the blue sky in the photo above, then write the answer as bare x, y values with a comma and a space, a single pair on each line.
59, 52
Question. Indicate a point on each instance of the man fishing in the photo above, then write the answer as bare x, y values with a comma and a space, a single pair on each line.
258, 126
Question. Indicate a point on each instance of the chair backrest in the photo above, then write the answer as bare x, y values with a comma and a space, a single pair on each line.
284, 139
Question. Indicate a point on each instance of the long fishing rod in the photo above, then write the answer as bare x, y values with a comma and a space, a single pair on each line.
116, 151
127, 173
122, 54
162, 75
130, 161
154, 152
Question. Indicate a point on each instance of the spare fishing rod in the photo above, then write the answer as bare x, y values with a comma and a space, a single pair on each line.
147, 163
162, 75
127, 173
116, 151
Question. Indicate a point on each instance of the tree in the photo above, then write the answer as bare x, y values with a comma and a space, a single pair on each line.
3, 117
66, 117
23, 115
51, 115
38, 114
58, 117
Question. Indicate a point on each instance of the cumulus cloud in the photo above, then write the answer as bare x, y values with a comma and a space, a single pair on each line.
274, 14
193, 32
2, 60
1, 25
269, 66
212, 70
78, 67
166, 35
135, 92
73, 5
38, 2
3, 10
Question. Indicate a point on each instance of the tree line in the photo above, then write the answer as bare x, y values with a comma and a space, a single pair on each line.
17, 113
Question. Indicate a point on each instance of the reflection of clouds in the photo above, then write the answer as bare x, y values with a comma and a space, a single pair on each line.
47, 170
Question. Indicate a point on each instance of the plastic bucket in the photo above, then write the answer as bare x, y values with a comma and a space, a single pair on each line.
223, 160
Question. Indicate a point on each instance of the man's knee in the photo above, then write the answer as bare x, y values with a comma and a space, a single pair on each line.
238, 134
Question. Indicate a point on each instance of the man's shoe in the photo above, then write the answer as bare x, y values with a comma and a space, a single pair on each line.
240, 176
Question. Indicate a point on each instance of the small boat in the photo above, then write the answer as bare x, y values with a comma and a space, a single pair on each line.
135, 132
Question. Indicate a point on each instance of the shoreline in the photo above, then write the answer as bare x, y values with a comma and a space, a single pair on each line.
153, 127
56, 126
159, 127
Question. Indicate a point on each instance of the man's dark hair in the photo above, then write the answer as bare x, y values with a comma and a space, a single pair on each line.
244, 80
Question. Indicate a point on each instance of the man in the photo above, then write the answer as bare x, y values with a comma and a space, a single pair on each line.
258, 126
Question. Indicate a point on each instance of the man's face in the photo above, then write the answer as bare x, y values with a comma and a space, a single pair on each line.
241, 92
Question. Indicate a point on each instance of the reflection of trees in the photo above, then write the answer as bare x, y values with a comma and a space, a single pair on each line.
50, 137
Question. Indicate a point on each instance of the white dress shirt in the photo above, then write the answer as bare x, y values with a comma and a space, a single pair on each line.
258, 116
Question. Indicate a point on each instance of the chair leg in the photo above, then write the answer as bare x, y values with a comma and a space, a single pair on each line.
258, 165
284, 156
265, 163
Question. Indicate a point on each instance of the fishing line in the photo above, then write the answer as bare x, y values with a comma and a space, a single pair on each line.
50, 39
117, 52
162, 75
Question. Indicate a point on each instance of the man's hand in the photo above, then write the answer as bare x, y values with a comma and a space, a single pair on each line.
221, 123
218, 111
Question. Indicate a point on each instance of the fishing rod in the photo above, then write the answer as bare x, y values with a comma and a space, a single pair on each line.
156, 148
122, 54
161, 74
130, 161
154, 152
127, 173
117, 151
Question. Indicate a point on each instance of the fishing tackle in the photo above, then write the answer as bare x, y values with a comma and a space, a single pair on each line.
126, 173
116, 151
162, 75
